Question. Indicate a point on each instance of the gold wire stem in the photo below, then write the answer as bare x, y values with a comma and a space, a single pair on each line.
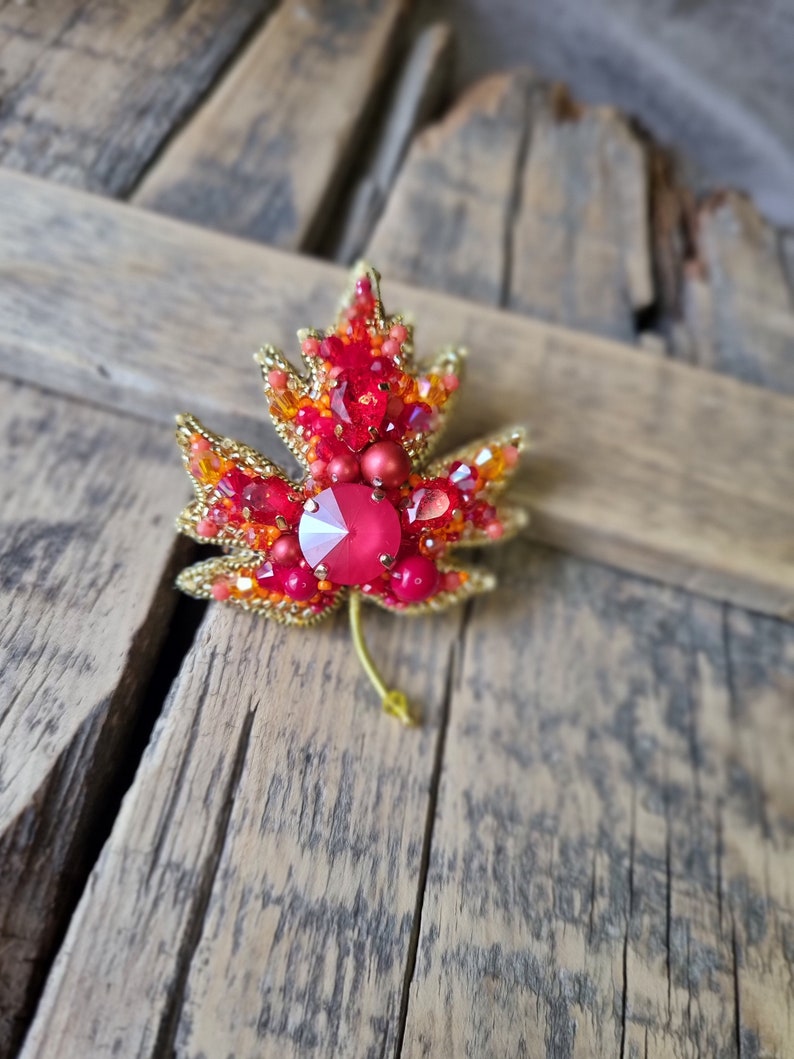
394, 702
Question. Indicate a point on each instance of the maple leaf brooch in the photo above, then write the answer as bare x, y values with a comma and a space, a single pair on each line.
373, 517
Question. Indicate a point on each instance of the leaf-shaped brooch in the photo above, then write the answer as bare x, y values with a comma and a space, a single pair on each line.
373, 517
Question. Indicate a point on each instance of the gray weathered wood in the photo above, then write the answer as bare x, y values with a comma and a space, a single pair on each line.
657, 467
476, 171
737, 312
604, 878
92, 90
283, 128
421, 85
580, 252
76, 655
87, 557
269, 850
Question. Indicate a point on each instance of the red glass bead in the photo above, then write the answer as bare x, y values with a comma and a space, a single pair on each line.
233, 483
300, 584
464, 476
415, 579
267, 498
268, 577
431, 505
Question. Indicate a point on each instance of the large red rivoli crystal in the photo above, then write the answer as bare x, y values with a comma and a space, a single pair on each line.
348, 533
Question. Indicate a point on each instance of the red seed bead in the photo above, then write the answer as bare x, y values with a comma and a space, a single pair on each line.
414, 579
277, 379
220, 591
399, 333
343, 468
207, 527
286, 551
310, 346
386, 463
300, 584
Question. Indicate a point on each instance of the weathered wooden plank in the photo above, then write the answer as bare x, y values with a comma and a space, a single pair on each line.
55, 801
420, 87
92, 90
269, 849
478, 166
653, 466
738, 312
261, 156
586, 871
600, 838
83, 552
737, 316
580, 250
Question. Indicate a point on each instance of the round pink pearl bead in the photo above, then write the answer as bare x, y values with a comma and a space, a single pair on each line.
286, 551
386, 462
310, 346
390, 348
220, 591
343, 468
277, 379
414, 579
399, 333
495, 530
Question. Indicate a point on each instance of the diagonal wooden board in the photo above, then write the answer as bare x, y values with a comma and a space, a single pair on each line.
268, 150
653, 466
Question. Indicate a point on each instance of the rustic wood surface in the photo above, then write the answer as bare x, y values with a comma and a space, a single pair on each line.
262, 155
85, 611
657, 467
92, 90
607, 847
85, 694
608, 871
418, 92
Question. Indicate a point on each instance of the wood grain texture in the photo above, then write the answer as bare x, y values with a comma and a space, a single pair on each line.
475, 165
657, 467
261, 156
738, 308
580, 248
419, 88
91, 90
85, 609
611, 858
604, 879
269, 851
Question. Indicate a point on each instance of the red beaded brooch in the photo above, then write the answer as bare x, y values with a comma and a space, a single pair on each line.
373, 517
